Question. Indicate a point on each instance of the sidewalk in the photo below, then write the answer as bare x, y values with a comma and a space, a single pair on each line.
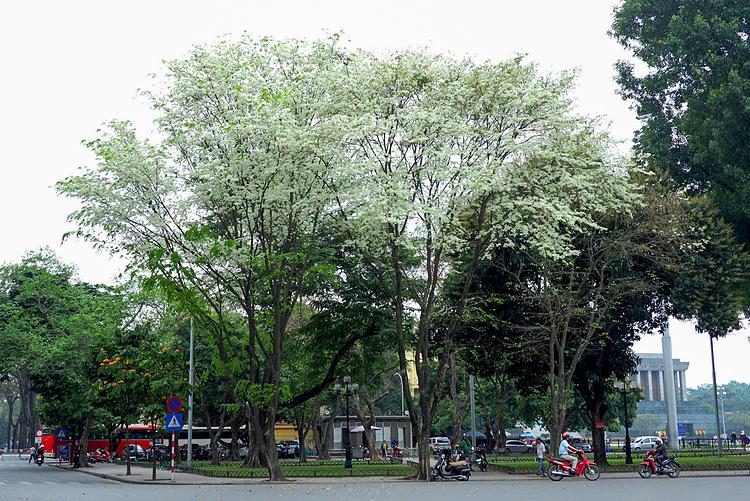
142, 475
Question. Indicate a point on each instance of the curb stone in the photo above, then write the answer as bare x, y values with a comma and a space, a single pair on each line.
333, 480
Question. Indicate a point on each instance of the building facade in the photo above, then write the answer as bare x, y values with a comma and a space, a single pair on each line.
649, 377
651, 414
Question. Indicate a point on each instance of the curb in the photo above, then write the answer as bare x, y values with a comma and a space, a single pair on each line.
305, 481
125, 480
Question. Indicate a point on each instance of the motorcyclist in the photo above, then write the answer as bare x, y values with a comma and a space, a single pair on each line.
566, 451
660, 454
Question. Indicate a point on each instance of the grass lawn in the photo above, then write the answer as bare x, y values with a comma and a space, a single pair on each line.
618, 465
309, 469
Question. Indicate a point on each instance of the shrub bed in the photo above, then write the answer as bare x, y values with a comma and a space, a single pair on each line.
310, 469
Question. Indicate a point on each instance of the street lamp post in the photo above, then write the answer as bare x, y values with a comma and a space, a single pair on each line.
401, 380
347, 389
624, 390
722, 394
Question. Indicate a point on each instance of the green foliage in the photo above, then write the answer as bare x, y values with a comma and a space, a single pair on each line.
57, 326
736, 397
693, 95
314, 469
708, 287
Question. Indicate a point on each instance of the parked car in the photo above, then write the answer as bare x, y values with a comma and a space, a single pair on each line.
199, 452
162, 452
643, 443
518, 446
136, 452
287, 449
580, 444
437, 444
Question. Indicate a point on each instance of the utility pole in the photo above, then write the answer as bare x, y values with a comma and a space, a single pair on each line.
716, 393
190, 399
722, 394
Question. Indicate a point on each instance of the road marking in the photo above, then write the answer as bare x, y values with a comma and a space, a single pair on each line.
75, 483
24, 483
50, 483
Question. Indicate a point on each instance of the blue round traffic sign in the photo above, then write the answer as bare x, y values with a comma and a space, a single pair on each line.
174, 404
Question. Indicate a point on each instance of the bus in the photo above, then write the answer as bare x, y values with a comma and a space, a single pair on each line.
58, 441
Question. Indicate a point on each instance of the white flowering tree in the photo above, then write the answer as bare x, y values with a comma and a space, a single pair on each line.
449, 160
227, 208
420, 163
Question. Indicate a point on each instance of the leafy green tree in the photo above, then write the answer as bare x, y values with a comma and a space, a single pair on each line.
57, 326
230, 206
692, 95
136, 373
438, 143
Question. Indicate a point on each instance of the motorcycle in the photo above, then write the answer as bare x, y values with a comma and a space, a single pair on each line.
39, 457
449, 470
560, 468
669, 467
480, 458
99, 456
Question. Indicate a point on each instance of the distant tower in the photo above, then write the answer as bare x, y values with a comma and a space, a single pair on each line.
669, 394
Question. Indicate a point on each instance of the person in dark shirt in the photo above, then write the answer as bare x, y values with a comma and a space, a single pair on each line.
661, 452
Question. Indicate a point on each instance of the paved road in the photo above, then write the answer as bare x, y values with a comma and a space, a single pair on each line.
22, 481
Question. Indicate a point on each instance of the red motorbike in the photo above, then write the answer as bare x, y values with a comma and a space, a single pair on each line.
99, 456
560, 468
649, 466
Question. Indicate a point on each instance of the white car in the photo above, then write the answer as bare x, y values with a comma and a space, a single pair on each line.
438, 443
643, 443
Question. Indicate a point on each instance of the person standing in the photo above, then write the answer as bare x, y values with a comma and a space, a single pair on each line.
384, 450
733, 438
32, 454
540, 449
464, 446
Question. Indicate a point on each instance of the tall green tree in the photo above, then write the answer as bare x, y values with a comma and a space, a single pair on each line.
231, 204
57, 325
692, 94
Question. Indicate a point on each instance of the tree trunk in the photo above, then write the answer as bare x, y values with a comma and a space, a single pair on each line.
84, 442
324, 441
234, 447
11, 404
214, 436
265, 438
504, 389
596, 409
423, 468
301, 423
459, 401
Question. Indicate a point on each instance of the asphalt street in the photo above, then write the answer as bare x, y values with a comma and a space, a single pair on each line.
22, 481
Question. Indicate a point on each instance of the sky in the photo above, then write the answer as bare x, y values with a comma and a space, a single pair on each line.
69, 67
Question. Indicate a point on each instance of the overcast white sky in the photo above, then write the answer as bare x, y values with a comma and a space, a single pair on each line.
70, 66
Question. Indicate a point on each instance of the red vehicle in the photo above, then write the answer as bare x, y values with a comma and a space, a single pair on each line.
560, 468
57, 442
100, 456
649, 467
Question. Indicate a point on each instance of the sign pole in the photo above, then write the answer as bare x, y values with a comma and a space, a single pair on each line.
172, 469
